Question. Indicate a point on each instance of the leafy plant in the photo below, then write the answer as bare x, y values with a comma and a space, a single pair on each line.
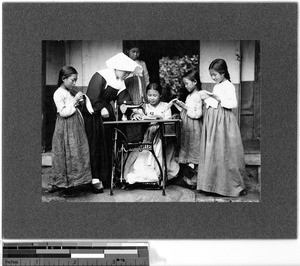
171, 72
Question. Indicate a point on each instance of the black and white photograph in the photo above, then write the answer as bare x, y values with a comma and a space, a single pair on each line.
151, 121
173, 124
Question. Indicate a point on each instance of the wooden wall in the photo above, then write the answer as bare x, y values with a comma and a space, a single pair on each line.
250, 91
86, 57
90, 56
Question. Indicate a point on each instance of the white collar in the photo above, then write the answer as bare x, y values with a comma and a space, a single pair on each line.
111, 80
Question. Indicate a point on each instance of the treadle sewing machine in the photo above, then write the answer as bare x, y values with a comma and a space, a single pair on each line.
121, 144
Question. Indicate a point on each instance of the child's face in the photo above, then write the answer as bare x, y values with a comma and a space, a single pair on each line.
153, 97
70, 82
120, 74
189, 85
134, 53
216, 76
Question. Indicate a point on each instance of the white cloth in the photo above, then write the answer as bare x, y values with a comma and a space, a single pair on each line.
160, 110
65, 102
88, 104
210, 101
122, 62
226, 92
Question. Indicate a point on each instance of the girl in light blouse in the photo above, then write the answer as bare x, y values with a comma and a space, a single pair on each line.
141, 167
221, 164
70, 151
191, 127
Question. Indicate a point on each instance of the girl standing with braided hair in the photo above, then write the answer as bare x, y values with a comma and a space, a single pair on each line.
221, 164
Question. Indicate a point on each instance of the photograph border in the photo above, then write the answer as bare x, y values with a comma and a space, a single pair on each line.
274, 217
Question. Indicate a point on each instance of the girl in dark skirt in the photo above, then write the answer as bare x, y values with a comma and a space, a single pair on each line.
221, 166
70, 150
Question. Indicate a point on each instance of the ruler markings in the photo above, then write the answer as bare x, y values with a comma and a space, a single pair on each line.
121, 256
59, 254
52, 251
135, 244
19, 251
91, 251
121, 251
87, 256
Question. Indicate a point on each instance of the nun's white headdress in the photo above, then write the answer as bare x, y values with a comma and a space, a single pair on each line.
122, 62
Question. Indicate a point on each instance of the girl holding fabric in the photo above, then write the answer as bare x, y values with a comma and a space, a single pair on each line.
70, 150
221, 164
104, 87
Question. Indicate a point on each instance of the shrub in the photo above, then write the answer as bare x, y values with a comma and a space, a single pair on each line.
171, 72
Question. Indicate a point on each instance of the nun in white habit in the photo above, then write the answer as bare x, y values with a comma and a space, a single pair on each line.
105, 86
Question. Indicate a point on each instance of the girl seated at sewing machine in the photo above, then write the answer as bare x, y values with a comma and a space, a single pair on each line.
141, 166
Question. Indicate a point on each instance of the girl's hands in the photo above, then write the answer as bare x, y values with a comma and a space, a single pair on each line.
179, 103
170, 104
78, 97
175, 116
136, 117
137, 114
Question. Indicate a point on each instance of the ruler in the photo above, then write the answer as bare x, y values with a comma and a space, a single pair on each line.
75, 254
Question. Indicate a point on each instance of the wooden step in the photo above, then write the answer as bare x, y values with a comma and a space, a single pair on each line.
252, 159
252, 152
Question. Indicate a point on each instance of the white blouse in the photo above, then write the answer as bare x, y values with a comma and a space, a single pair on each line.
193, 103
65, 102
160, 110
226, 92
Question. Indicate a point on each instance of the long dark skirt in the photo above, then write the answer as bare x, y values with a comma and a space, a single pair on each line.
221, 166
100, 140
70, 152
